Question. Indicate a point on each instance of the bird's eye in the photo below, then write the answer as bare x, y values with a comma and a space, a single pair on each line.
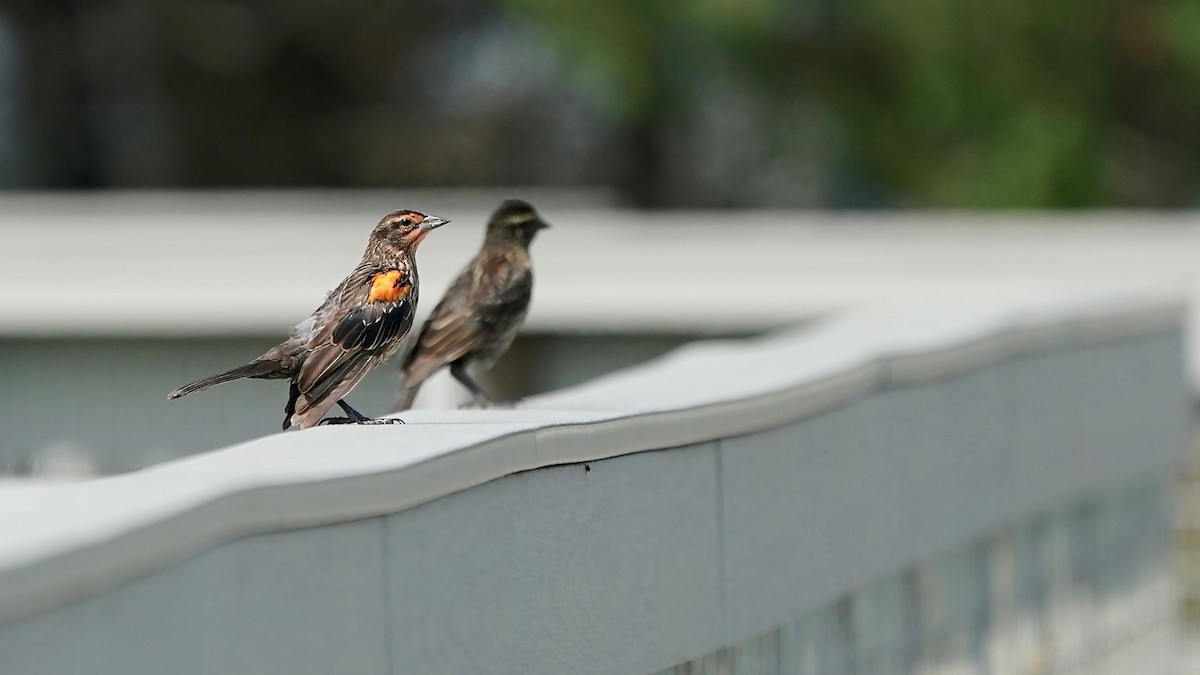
406, 222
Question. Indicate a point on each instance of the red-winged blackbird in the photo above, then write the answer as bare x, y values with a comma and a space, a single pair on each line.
483, 309
361, 323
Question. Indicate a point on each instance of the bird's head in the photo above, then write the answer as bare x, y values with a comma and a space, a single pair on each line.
514, 222
405, 229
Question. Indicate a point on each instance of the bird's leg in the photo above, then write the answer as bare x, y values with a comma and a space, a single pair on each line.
293, 394
459, 370
355, 417
353, 414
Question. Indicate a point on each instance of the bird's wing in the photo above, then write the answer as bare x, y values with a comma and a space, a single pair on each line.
461, 322
371, 309
451, 332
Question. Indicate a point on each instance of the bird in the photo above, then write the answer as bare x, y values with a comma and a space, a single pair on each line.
361, 323
480, 314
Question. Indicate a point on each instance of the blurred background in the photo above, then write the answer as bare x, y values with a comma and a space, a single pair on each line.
711, 103
711, 168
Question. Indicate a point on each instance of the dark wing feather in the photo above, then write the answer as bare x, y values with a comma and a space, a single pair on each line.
373, 326
450, 338
512, 299
357, 331
338, 367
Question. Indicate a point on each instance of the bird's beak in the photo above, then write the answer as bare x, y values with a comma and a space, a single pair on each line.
541, 224
432, 222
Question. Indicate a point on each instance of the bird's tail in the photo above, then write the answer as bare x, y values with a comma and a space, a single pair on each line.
260, 369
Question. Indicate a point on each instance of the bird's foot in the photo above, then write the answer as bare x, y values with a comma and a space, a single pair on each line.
374, 421
355, 417
382, 420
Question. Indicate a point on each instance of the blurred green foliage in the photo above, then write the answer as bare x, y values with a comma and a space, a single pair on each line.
937, 103
678, 103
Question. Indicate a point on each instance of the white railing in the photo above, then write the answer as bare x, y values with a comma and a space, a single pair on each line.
732, 502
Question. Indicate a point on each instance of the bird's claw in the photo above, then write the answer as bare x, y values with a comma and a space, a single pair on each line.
382, 420
374, 421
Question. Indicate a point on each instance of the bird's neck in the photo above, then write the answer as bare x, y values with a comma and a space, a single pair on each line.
386, 250
503, 240
504, 255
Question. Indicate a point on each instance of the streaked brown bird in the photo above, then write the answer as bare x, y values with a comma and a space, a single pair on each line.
483, 309
361, 323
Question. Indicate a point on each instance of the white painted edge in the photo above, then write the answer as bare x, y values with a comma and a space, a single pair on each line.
64, 542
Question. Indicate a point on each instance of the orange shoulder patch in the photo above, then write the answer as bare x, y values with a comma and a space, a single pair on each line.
390, 286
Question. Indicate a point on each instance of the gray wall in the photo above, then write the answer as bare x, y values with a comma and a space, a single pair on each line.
1085, 589
638, 562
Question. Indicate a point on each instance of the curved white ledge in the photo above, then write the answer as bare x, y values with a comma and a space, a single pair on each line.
63, 542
